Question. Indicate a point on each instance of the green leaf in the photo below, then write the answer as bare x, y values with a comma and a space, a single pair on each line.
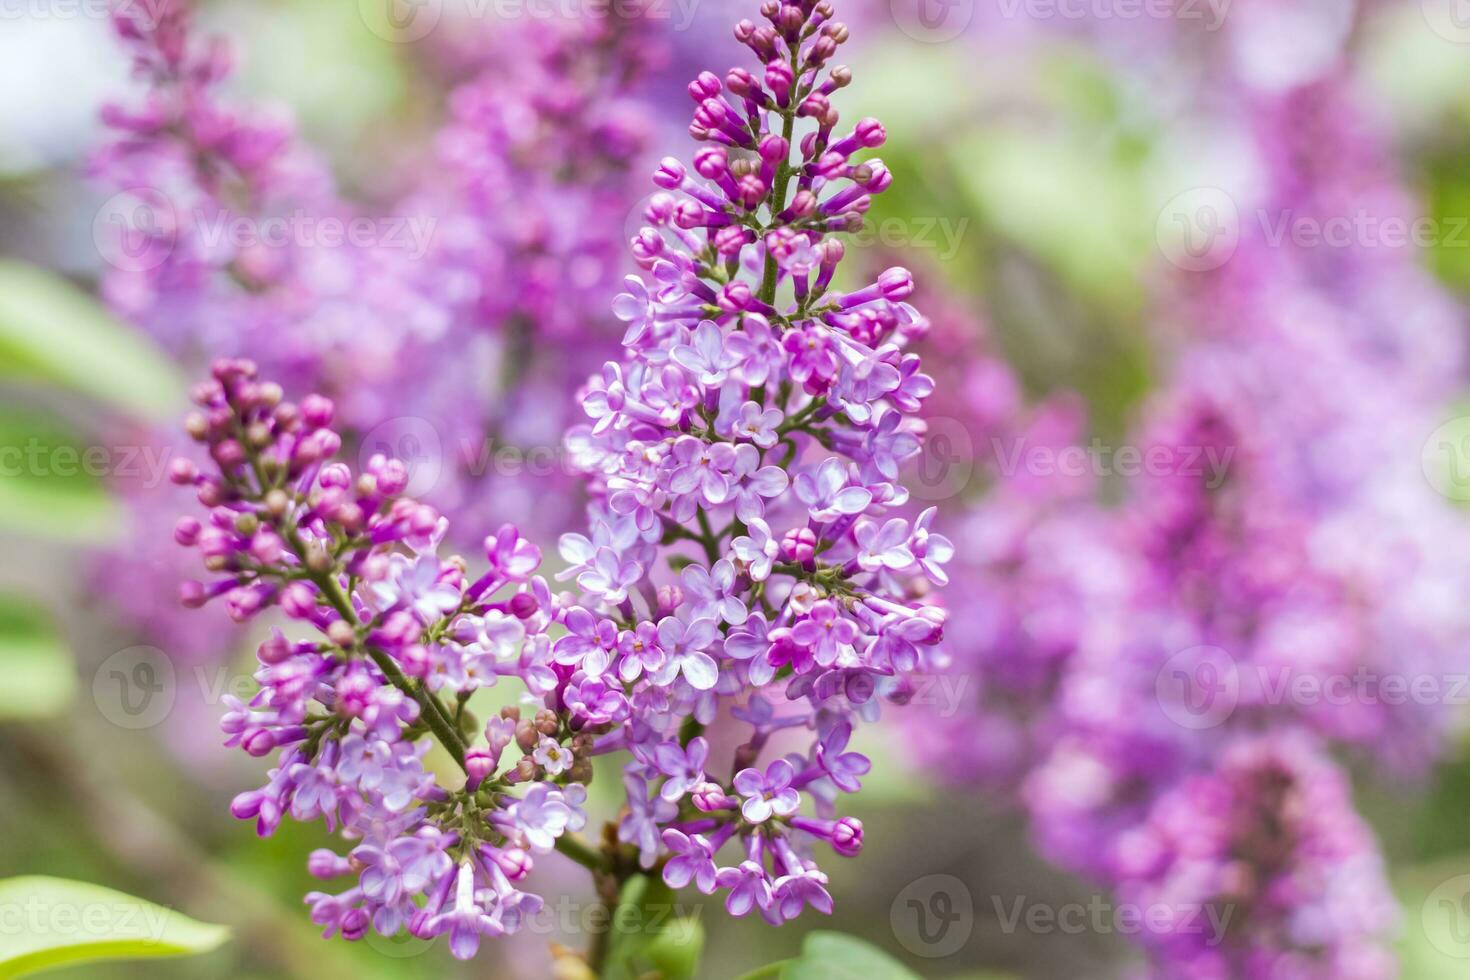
39, 679
64, 922
1431, 942
50, 329
48, 486
650, 937
834, 956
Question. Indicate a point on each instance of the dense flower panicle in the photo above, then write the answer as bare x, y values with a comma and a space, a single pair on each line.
1313, 553
751, 439
1269, 843
745, 552
534, 170
398, 629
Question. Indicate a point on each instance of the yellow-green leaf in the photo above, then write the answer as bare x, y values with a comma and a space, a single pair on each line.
64, 922
50, 484
53, 331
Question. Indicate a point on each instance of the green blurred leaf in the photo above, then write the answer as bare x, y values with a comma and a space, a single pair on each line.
649, 936
834, 956
45, 487
64, 922
674, 950
51, 330
1074, 208
39, 679
1434, 898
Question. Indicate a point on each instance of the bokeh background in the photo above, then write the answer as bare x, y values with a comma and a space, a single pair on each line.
1258, 210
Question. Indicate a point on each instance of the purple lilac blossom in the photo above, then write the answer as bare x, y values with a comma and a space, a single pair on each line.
840, 619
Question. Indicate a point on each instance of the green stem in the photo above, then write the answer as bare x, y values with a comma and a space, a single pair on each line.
572, 846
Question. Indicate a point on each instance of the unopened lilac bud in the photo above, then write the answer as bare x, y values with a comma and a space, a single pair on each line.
228, 453
266, 548
355, 924
711, 162
316, 411
546, 722
478, 765
246, 805
186, 531
182, 472
324, 864
258, 742
287, 416
706, 86
897, 283
790, 20
774, 149
779, 80
736, 296
732, 238
752, 190
205, 393
847, 836
814, 106
670, 598
670, 174
802, 205
523, 605
527, 736
273, 649
515, 862
646, 245
709, 797
799, 544
192, 594
341, 633
339, 476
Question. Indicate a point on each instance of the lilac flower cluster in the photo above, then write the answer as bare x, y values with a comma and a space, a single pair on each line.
403, 639
1268, 837
744, 553
750, 441
1318, 558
